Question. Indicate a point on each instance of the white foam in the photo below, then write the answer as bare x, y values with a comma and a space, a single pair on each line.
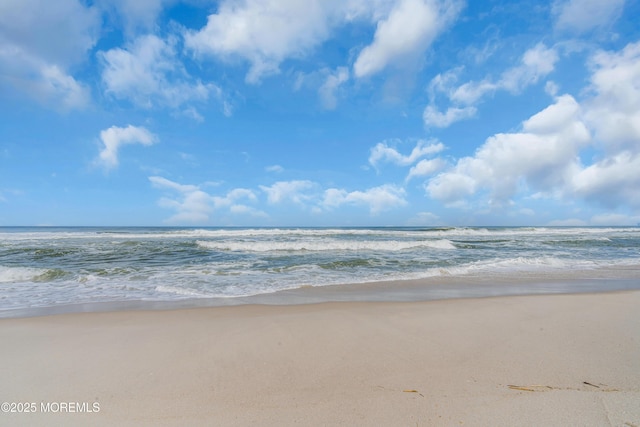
242, 233
513, 265
19, 274
323, 245
182, 291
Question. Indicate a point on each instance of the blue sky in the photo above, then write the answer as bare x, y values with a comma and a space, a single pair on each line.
319, 112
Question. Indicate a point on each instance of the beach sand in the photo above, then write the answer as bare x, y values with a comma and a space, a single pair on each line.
552, 360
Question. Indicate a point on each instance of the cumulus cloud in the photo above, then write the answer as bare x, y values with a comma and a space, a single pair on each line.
536, 63
611, 182
50, 85
383, 152
115, 137
39, 41
297, 191
614, 114
435, 118
328, 83
263, 32
267, 32
614, 110
425, 168
274, 169
425, 218
236, 202
149, 74
58, 32
543, 156
136, 15
377, 199
584, 15
194, 205
331, 85
406, 32
306, 194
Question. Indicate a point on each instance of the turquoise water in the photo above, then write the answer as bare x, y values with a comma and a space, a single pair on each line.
47, 267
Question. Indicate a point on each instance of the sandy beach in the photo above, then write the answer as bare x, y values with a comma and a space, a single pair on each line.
551, 360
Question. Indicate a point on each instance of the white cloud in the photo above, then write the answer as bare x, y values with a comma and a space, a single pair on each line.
59, 32
327, 82
405, 33
425, 219
39, 41
57, 84
161, 182
267, 32
453, 186
331, 85
233, 196
194, 205
378, 199
136, 15
614, 114
471, 92
543, 156
382, 152
149, 74
247, 210
293, 191
585, 15
551, 88
263, 32
443, 82
433, 117
425, 168
536, 63
189, 112
611, 182
50, 85
274, 169
614, 111
115, 137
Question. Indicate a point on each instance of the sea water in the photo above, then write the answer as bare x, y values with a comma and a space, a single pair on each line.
48, 267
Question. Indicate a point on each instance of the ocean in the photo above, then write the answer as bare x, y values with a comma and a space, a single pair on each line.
51, 267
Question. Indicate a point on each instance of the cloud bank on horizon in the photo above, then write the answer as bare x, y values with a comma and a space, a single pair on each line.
319, 112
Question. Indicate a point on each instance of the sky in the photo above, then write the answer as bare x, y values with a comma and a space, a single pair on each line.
319, 112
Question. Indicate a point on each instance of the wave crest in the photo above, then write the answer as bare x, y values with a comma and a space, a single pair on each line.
326, 245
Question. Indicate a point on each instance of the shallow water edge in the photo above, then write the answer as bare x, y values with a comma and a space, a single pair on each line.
429, 289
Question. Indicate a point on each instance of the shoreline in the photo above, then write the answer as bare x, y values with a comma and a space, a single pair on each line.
516, 360
602, 280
